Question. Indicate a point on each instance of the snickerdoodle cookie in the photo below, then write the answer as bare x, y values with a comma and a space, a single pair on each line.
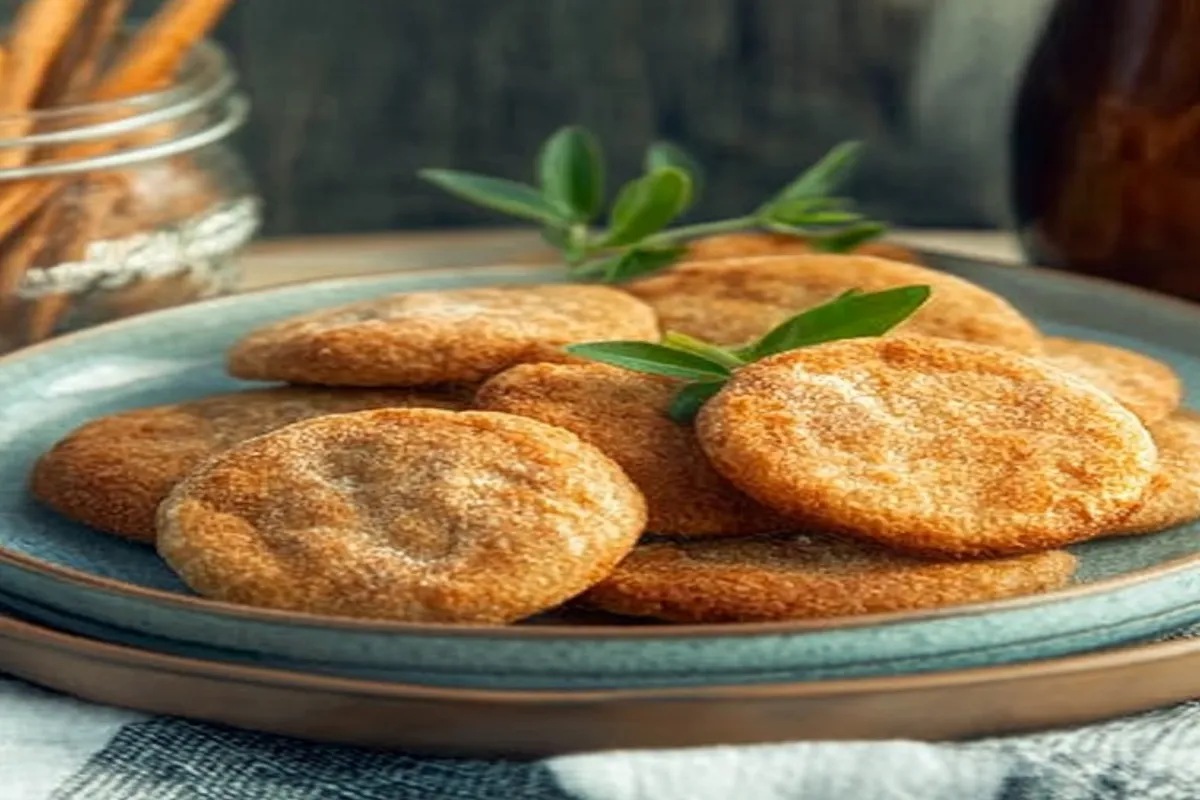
733, 301
458, 336
624, 414
111, 473
1174, 495
762, 243
1146, 386
930, 445
405, 514
804, 576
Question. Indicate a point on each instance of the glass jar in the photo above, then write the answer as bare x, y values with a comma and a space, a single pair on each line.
124, 207
1107, 143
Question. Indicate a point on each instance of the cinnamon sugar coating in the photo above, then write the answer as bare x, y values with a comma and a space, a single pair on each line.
1144, 385
458, 336
807, 576
408, 514
624, 414
734, 301
762, 243
111, 473
1174, 495
930, 445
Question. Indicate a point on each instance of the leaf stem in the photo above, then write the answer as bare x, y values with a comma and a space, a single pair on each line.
685, 232
689, 344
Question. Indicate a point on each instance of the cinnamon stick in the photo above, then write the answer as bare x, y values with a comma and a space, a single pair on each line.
160, 46
83, 57
19, 200
108, 17
38, 317
22, 251
73, 226
41, 319
41, 29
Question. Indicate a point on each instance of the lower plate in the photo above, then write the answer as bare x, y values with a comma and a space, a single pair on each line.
936, 706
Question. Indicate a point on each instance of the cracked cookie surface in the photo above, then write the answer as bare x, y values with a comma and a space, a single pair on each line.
415, 515
930, 445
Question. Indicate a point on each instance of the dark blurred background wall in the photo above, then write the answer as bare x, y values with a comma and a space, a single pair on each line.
353, 96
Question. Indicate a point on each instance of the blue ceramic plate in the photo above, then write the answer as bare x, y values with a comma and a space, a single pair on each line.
77, 580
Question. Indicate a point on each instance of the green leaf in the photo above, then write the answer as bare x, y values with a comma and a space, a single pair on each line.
847, 317
826, 175
815, 204
748, 353
646, 205
654, 359
831, 218
666, 154
804, 211
848, 239
516, 199
596, 269
571, 242
688, 401
641, 261
689, 344
571, 172
631, 264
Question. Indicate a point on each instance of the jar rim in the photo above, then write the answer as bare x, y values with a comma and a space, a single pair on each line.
199, 108
207, 64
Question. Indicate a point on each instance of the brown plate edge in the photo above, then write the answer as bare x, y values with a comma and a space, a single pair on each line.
448, 721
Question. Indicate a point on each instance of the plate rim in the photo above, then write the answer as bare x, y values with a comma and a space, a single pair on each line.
14, 627
195, 604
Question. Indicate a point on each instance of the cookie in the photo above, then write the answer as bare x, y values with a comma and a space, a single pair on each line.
1147, 387
112, 472
624, 414
807, 576
404, 514
761, 243
734, 301
1174, 496
930, 445
459, 336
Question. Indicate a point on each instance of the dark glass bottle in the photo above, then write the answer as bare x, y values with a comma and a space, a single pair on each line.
1107, 143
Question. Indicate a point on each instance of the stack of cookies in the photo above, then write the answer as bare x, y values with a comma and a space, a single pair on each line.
438, 456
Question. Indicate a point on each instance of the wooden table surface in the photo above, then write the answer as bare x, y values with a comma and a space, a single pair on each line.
271, 262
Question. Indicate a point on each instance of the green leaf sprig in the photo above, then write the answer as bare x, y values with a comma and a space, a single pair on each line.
636, 240
705, 367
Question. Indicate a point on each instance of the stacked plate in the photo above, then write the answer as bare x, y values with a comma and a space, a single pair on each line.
105, 619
